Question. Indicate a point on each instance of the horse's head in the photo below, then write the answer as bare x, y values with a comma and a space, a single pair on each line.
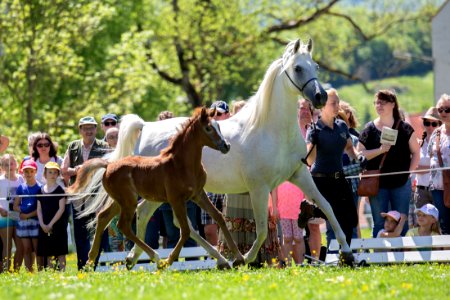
212, 135
301, 72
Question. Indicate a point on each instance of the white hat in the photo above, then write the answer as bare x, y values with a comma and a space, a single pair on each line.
429, 209
393, 214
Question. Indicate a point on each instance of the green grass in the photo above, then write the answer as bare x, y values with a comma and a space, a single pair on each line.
415, 94
390, 282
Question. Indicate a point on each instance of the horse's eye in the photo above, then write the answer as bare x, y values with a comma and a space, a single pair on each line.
208, 128
298, 69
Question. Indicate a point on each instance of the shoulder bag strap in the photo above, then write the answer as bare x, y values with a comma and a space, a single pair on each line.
385, 154
438, 147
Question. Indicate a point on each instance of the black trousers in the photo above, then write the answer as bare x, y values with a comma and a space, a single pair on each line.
339, 194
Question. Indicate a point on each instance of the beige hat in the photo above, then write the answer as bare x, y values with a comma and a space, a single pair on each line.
431, 114
4, 142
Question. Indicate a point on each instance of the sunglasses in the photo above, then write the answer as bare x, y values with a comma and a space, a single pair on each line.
380, 102
432, 124
444, 109
219, 114
46, 145
111, 123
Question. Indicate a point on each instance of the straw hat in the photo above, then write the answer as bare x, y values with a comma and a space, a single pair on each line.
432, 114
4, 142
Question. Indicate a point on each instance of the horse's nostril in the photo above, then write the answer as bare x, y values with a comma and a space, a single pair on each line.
318, 97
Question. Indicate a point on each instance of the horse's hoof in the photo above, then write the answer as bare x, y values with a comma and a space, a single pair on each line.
238, 262
346, 259
89, 267
162, 264
129, 264
223, 266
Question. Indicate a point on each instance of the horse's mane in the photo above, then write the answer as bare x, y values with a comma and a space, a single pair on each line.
178, 138
260, 102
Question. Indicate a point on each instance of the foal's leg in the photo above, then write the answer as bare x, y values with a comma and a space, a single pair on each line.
179, 211
202, 200
144, 212
124, 224
302, 178
222, 262
259, 198
103, 219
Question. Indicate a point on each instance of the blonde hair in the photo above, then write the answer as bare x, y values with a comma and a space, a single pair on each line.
348, 109
6, 158
443, 98
237, 105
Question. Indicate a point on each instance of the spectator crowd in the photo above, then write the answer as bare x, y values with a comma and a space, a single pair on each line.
413, 196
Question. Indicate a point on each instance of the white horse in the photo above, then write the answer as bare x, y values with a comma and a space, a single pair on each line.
266, 147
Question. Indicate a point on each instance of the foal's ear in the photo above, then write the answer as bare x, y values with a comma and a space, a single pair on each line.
204, 115
212, 112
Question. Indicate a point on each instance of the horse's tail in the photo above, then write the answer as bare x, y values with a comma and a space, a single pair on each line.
85, 174
130, 128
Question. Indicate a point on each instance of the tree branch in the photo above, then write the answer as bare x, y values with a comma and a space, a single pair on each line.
344, 74
381, 31
151, 61
292, 24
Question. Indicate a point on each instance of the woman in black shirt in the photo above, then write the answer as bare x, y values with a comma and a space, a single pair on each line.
395, 190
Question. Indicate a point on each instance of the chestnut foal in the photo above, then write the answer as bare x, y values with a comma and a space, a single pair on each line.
174, 176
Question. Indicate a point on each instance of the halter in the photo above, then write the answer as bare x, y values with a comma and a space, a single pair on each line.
304, 85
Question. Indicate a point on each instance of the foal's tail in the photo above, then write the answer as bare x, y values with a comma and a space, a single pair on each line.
91, 181
85, 174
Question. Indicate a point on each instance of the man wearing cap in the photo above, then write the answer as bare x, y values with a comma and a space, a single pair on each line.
222, 110
109, 121
78, 152
210, 228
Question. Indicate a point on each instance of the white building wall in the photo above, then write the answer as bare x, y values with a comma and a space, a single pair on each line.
441, 50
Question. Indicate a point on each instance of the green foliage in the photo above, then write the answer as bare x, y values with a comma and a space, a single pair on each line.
61, 60
414, 93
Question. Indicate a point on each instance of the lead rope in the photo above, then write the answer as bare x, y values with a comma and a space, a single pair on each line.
305, 159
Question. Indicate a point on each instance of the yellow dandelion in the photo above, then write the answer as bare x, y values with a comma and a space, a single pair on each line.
246, 277
406, 285
364, 288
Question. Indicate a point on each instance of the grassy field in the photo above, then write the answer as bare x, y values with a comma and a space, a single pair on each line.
415, 94
390, 282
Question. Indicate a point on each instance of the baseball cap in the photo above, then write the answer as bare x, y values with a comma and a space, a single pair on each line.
429, 209
110, 117
52, 165
87, 120
393, 214
29, 164
220, 106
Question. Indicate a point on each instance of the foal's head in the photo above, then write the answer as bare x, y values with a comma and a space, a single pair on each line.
210, 130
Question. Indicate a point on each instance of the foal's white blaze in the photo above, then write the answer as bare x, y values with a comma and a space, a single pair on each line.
216, 127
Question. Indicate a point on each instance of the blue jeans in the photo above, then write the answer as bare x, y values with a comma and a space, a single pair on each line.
444, 211
173, 232
390, 199
153, 230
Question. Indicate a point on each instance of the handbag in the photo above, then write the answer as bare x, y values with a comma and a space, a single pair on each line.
369, 186
445, 173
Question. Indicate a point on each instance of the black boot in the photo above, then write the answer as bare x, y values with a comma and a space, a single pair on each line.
308, 211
